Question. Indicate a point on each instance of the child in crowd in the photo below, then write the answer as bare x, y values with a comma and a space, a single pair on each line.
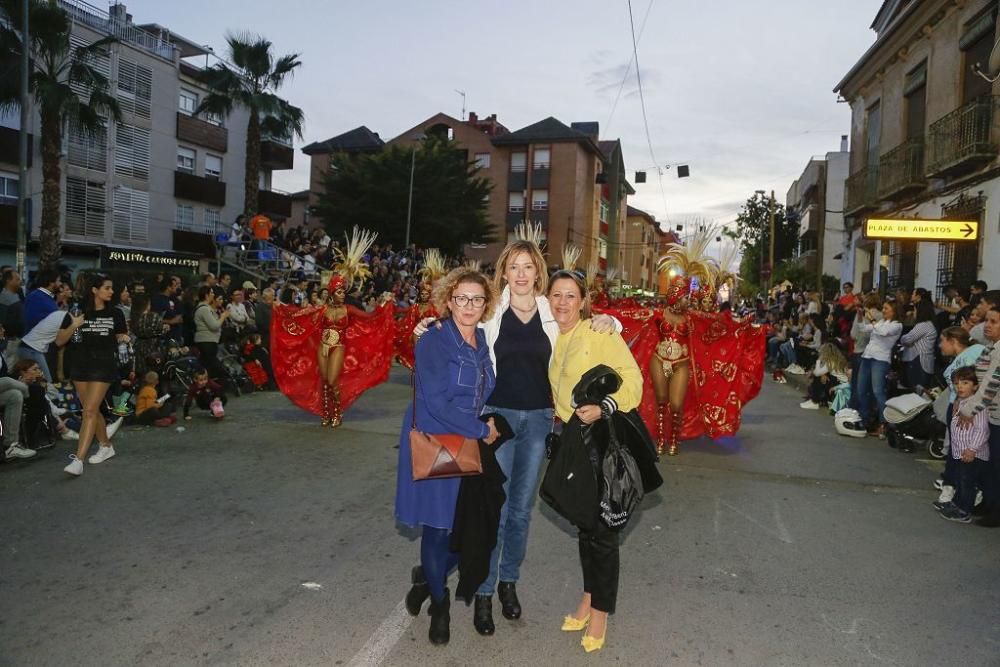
257, 361
969, 450
831, 369
41, 424
150, 409
207, 394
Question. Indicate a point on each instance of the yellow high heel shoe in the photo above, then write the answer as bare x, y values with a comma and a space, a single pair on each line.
591, 644
573, 624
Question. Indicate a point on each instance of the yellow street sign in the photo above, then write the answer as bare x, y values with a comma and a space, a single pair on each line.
922, 230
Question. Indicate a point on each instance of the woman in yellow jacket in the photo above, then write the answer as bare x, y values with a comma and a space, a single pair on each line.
577, 350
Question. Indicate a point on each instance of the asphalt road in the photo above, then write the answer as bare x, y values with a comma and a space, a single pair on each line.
264, 540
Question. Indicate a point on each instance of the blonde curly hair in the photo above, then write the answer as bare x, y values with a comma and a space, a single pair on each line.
445, 289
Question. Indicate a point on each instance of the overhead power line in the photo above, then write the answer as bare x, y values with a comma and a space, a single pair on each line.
628, 68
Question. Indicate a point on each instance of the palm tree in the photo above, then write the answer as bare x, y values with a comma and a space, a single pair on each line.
58, 71
252, 85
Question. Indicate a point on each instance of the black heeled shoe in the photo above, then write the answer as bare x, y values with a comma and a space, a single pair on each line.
482, 616
440, 631
510, 606
419, 592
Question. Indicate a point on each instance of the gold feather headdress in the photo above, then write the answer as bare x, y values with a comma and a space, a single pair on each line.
570, 254
351, 264
529, 231
690, 260
434, 267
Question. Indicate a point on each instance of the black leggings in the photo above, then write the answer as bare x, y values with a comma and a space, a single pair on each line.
209, 357
150, 415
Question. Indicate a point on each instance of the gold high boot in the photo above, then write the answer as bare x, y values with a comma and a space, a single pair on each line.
661, 444
326, 406
677, 423
338, 417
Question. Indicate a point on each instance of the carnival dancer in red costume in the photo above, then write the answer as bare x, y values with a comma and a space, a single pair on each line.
434, 269
328, 355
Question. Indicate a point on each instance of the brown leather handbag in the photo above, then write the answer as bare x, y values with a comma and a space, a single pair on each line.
436, 456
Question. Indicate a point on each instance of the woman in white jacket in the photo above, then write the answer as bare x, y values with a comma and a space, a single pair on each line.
876, 361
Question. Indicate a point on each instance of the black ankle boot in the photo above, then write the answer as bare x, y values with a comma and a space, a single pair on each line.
418, 592
509, 604
482, 617
440, 631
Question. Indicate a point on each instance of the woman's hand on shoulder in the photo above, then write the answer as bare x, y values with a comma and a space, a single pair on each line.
602, 323
423, 324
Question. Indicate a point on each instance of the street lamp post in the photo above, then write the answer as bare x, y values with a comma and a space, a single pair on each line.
20, 254
409, 202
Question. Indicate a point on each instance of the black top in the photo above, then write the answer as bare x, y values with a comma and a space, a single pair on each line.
98, 344
522, 352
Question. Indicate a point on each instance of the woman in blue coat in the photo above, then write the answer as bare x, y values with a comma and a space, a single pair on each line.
454, 376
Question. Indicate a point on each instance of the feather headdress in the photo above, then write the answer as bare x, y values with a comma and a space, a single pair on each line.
729, 266
351, 264
473, 265
529, 231
570, 254
690, 260
434, 267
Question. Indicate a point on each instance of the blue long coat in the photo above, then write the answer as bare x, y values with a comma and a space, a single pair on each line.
453, 381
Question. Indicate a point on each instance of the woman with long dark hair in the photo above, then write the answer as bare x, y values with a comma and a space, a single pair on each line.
93, 365
918, 346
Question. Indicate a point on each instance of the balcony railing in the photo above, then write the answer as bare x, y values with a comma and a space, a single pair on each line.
117, 25
962, 138
901, 170
862, 189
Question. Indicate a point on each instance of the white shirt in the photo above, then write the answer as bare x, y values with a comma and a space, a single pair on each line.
978, 334
44, 333
238, 313
884, 335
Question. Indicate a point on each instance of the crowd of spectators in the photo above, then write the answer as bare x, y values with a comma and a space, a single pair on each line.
858, 350
207, 327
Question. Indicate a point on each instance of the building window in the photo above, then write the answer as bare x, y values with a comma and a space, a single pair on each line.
542, 157
602, 249
130, 216
185, 160
213, 220
99, 59
604, 209
213, 166
515, 202
188, 102
902, 264
958, 264
518, 161
132, 152
135, 85
8, 189
482, 160
184, 217
540, 200
87, 149
213, 118
86, 205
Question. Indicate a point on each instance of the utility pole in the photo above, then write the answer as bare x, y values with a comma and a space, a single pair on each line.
821, 228
20, 257
409, 203
770, 252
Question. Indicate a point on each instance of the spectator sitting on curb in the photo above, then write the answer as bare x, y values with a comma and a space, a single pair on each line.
150, 409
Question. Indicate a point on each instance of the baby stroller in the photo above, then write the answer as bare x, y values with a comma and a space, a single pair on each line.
236, 375
912, 421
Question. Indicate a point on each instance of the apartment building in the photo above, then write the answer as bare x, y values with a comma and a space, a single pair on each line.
642, 244
816, 198
561, 176
163, 180
924, 143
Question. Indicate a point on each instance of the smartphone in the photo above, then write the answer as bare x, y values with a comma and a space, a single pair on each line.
163, 398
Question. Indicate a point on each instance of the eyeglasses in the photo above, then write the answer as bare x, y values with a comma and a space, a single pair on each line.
463, 300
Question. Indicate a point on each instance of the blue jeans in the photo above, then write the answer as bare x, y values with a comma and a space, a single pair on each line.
28, 352
871, 381
855, 368
787, 350
521, 460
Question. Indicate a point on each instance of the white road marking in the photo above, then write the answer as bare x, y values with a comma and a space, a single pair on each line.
787, 536
385, 637
783, 537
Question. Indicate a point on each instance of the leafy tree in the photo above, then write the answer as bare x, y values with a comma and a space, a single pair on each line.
372, 190
57, 71
753, 234
259, 75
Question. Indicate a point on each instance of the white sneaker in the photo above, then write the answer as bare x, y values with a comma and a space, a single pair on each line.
16, 451
947, 494
75, 466
69, 434
113, 427
102, 455
795, 369
809, 405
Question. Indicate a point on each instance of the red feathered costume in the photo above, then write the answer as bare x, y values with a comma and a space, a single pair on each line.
296, 336
403, 343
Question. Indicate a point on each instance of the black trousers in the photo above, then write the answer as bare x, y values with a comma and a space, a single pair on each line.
152, 414
209, 358
600, 563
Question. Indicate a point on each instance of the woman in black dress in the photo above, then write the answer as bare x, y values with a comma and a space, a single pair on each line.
93, 350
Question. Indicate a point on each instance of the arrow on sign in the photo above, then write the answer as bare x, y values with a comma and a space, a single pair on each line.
968, 231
